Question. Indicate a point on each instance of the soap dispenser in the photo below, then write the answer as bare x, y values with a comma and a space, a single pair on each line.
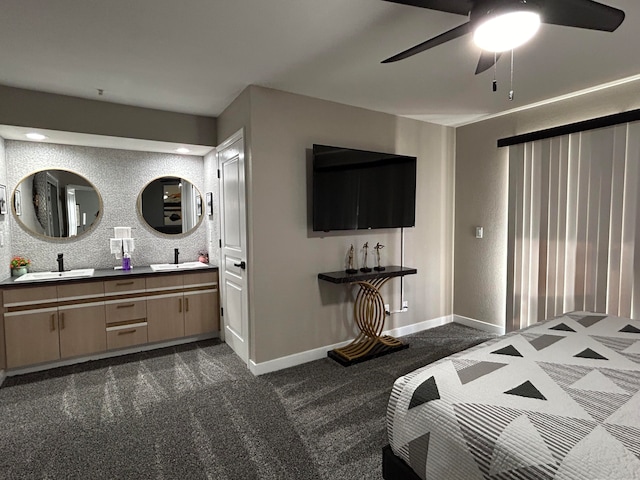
126, 261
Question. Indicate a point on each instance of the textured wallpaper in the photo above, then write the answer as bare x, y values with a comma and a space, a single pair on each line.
119, 176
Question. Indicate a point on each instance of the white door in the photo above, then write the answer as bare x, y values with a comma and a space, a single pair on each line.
233, 251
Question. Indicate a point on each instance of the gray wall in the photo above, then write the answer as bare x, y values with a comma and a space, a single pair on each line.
5, 234
28, 108
480, 273
119, 176
292, 310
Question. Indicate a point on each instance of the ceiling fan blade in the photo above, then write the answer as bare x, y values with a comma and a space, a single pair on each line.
432, 42
461, 7
582, 14
487, 60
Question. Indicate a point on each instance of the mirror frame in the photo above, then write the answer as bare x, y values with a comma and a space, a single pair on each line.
146, 224
49, 238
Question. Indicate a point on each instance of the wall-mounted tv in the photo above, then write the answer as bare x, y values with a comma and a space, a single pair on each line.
357, 189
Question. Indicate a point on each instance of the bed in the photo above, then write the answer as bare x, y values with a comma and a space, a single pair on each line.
557, 400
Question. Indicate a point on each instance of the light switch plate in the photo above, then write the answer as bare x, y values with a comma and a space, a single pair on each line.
479, 232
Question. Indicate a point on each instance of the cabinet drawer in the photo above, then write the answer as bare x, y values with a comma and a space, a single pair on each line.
125, 310
30, 295
164, 282
80, 290
126, 337
124, 285
200, 278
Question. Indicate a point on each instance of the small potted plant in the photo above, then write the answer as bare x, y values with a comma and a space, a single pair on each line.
19, 266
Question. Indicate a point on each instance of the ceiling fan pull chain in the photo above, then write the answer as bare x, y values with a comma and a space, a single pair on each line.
495, 69
511, 96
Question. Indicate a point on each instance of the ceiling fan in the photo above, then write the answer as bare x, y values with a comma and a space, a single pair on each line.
502, 25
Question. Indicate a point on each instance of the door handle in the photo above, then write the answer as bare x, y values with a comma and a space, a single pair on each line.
242, 265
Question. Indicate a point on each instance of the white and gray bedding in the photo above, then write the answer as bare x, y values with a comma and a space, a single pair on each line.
558, 400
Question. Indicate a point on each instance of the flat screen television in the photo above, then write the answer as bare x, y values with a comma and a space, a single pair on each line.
357, 189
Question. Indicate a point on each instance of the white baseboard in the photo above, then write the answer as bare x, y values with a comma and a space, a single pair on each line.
419, 327
479, 324
321, 352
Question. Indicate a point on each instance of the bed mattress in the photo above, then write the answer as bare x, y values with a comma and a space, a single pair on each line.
558, 400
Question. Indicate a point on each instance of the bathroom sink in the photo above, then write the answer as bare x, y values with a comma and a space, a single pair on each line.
35, 276
161, 267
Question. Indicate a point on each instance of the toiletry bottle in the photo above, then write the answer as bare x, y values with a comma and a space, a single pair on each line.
126, 262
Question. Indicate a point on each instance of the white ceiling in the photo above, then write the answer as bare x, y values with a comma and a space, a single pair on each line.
196, 56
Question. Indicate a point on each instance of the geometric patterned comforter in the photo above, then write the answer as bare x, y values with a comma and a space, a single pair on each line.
557, 400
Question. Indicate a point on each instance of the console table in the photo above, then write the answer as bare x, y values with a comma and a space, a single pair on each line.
368, 313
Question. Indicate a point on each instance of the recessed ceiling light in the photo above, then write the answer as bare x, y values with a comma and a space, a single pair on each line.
182, 150
35, 136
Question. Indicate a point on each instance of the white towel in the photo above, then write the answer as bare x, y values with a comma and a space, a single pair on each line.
115, 245
128, 245
122, 232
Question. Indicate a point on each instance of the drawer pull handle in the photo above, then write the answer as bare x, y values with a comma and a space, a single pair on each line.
53, 322
62, 321
121, 284
126, 332
179, 305
128, 305
186, 301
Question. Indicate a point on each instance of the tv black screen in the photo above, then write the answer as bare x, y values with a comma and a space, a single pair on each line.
357, 189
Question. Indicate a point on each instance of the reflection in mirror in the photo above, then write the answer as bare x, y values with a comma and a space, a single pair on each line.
57, 203
170, 205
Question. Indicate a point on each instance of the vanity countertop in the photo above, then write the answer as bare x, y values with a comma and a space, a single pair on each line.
105, 274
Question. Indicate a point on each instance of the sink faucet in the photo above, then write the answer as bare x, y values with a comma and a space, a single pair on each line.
60, 262
176, 252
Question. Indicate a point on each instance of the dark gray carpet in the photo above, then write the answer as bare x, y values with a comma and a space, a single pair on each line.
195, 411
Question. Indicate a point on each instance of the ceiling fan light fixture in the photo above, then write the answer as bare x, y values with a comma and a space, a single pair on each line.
506, 31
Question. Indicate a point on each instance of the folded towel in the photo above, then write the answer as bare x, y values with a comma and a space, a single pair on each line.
122, 232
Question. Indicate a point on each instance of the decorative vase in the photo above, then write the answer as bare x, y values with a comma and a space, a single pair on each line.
18, 271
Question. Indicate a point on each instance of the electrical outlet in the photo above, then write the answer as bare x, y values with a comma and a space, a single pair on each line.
405, 305
386, 309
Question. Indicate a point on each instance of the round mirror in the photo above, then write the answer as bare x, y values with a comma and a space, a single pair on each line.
170, 205
57, 204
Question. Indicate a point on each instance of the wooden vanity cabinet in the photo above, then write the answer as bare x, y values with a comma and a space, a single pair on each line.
165, 307
126, 312
44, 323
182, 305
53, 322
81, 319
32, 337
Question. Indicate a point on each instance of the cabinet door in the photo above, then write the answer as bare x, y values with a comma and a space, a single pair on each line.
82, 330
201, 312
165, 317
31, 338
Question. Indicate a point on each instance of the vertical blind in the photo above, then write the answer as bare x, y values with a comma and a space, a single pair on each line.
573, 225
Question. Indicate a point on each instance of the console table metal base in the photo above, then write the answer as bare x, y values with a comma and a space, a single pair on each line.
368, 314
374, 351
